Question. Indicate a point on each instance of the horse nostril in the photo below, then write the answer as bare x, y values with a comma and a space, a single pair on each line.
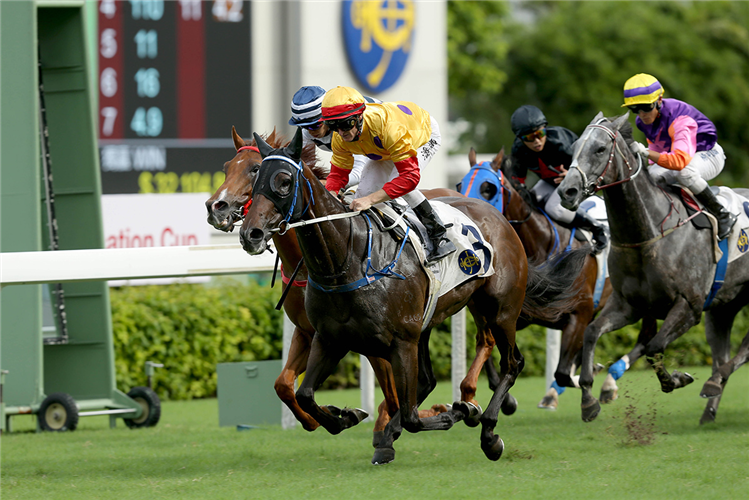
218, 206
256, 234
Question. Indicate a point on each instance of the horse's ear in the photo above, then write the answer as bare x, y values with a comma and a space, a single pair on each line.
597, 117
238, 141
294, 149
497, 161
262, 146
472, 156
621, 121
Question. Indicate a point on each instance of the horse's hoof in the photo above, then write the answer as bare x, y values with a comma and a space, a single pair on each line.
549, 402
682, 379
377, 437
472, 413
353, 415
708, 416
494, 449
590, 411
609, 395
333, 410
597, 368
383, 456
509, 405
711, 389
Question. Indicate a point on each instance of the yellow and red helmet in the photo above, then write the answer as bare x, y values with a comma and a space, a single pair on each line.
342, 102
642, 89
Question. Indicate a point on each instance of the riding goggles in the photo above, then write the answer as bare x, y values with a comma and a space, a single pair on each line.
538, 134
636, 108
344, 124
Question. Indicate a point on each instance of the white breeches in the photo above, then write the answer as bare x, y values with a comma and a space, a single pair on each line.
705, 165
553, 204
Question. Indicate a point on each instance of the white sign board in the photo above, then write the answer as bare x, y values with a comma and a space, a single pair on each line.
155, 220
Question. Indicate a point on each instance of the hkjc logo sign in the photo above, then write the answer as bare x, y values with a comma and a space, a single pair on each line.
378, 37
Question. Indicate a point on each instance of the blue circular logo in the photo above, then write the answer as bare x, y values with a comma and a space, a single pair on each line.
378, 37
743, 242
469, 262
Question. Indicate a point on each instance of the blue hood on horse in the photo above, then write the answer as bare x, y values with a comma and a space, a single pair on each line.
473, 185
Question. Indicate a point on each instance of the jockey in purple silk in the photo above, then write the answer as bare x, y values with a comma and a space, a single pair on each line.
682, 144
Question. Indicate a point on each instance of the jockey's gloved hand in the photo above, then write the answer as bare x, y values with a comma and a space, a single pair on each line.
639, 149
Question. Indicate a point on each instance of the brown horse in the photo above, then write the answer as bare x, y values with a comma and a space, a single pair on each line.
353, 310
542, 239
225, 208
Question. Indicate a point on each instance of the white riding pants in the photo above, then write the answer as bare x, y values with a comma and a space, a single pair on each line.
376, 173
705, 165
553, 204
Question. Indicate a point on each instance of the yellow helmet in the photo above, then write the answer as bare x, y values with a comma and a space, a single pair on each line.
342, 102
642, 89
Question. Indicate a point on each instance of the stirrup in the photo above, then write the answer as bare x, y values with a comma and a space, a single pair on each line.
441, 249
725, 226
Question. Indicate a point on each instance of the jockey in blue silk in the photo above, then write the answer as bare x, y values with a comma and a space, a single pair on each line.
400, 139
547, 152
682, 144
306, 112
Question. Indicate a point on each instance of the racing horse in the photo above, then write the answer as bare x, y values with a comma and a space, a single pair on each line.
225, 208
660, 265
542, 239
355, 307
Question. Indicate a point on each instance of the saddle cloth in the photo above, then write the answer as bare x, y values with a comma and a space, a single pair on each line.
473, 258
738, 240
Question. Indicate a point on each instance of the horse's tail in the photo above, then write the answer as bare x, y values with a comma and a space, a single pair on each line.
550, 293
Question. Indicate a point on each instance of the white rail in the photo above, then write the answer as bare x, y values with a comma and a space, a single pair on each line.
61, 266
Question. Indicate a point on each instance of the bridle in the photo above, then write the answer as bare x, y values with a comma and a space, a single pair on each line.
590, 188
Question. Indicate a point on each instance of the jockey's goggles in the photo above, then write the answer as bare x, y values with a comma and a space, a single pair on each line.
636, 108
538, 134
344, 124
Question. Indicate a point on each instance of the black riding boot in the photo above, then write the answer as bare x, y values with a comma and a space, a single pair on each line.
584, 220
441, 246
726, 219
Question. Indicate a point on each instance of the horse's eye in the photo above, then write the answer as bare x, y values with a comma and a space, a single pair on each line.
601, 150
282, 183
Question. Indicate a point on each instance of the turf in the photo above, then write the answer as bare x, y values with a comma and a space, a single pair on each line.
644, 445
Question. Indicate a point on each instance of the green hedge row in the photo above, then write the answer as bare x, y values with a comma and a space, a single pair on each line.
192, 327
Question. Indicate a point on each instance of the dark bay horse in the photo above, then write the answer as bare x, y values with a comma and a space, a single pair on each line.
661, 266
383, 317
543, 239
225, 208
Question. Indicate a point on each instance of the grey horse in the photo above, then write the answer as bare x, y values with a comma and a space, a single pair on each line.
661, 266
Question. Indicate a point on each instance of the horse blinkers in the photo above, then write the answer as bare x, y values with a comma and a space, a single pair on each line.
278, 180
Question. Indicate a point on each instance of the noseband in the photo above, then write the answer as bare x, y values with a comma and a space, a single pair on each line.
592, 188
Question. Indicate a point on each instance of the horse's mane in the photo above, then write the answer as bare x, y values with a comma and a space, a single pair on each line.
277, 140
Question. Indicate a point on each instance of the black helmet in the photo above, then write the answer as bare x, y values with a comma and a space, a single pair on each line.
526, 119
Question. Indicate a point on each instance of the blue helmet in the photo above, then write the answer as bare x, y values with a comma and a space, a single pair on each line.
306, 106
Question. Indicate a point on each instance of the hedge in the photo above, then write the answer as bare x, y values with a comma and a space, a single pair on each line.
192, 327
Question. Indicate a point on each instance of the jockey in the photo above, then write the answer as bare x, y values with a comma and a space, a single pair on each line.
306, 112
682, 144
400, 138
547, 152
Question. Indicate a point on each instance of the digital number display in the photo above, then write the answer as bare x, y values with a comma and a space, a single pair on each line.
174, 76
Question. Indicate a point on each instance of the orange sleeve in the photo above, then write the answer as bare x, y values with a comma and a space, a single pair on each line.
675, 160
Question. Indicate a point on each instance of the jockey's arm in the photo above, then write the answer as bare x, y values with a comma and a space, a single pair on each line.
366, 202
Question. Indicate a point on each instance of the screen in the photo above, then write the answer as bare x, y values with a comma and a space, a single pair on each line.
174, 77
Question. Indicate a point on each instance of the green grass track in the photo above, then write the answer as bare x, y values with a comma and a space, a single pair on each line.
644, 445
